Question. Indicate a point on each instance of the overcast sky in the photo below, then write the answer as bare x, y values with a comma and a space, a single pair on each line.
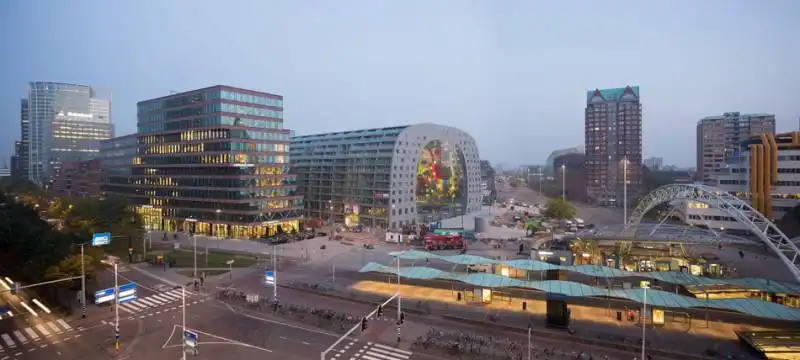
514, 74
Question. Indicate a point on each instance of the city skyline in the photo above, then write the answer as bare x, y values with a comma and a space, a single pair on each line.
680, 76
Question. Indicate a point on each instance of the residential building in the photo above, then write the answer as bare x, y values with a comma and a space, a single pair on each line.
78, 179
613, 141
66, 123
488, 188
213, 161
765, 172
570, 176
718, 138
388, 178
116, 160
654, 163
21, 150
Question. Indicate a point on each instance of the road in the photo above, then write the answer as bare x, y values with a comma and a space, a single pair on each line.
598, 216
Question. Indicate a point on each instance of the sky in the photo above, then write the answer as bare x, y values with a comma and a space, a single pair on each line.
513, 74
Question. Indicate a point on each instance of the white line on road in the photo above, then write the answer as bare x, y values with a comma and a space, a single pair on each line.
283, 337
306, 343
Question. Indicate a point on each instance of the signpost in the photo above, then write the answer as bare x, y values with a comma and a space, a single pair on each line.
127, 293
104, 295
269, 278
101, 239
230, 268
190, 340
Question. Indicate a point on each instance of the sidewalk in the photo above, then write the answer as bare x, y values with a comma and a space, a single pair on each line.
692, 337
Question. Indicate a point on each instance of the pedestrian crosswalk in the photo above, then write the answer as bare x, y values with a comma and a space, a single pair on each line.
152, 302
354, 350
21, 337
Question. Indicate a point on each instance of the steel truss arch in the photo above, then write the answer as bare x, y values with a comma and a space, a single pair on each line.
738, 209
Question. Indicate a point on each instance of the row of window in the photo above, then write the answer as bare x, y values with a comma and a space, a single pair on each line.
256, 171
215, 134
207, 96
209, 108
254, 194
212, 147
201, 182
226, 158
252, 99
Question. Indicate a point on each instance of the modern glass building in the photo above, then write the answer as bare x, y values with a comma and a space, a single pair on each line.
116, 161
388, 177
213, 161
66, 123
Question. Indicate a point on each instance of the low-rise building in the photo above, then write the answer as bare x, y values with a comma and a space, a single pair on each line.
765, 172
78, 179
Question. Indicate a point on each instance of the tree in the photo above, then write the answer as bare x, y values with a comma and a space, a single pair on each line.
89, 216
559, 209
515, 182
71, 267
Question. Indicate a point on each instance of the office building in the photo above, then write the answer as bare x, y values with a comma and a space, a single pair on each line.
719, 137
765, 172
570, 176
388, 178
213, 161
613, 141
654, 163
78, 179
66, 123
16, 171
116, 160
21, 149
549, 168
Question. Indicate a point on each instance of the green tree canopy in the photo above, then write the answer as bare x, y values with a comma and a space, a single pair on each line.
89, 216
559, 209
515, 182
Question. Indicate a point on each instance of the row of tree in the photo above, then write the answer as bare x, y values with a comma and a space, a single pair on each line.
41, 234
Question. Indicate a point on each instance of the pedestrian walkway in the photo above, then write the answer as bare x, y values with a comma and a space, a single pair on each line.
157, 301
352, 349
46, 331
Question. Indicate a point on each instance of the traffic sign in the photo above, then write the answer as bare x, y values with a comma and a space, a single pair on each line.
190, 338
269, 278
101, 239
127, 293
104, 296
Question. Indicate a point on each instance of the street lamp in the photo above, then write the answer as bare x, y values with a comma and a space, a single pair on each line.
194, 240
625, 190
645, 285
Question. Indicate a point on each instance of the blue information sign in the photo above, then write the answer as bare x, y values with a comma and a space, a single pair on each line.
127, 293
104, 296
269, 278
190, 338
100, 239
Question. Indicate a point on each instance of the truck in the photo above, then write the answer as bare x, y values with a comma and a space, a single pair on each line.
433, 241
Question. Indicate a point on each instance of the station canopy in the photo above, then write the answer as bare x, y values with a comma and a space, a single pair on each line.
655, 297
672, 277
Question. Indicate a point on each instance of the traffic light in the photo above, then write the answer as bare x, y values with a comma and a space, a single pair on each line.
402, 317
380, 311
14, 288
363, 324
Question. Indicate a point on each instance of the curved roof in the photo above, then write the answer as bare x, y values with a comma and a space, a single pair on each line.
655, 297
573, 150
672, 277
667, 232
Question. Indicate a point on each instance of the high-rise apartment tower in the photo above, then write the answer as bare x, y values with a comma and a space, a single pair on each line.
719, 138
613, 145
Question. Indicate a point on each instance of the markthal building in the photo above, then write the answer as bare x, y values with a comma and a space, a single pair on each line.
387, 178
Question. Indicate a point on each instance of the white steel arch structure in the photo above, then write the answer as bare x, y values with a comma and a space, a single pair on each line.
738, 209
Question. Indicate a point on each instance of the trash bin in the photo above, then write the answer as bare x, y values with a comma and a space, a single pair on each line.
459, 296
524, 306
619, 315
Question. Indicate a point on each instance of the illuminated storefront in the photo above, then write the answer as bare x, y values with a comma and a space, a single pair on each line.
213, 161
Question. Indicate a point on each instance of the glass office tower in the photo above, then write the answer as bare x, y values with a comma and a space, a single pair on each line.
66, 122
214, 161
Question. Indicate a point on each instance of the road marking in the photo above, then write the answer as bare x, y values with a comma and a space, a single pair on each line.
131, 307
393, 349
18, 354
306, 343
42, 329
283, 337
77, 335
8, 340
54, 327
18, 335
32, 334
31, 349
43, 346
142, 317
386, 354
63, 324
67, 338
54, 342
158, 312
194, 302
148, 302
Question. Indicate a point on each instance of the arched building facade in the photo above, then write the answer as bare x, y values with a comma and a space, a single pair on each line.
388, 177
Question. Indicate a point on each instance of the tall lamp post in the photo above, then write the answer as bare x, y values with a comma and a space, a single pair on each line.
194, 241
83, 283
645, 285
625, 190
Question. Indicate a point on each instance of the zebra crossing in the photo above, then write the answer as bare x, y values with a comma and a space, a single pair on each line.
21, 337
152, 301
368, 351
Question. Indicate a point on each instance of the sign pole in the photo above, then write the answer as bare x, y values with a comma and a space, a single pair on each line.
275, 271
83, 285
116, 305
183, 307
